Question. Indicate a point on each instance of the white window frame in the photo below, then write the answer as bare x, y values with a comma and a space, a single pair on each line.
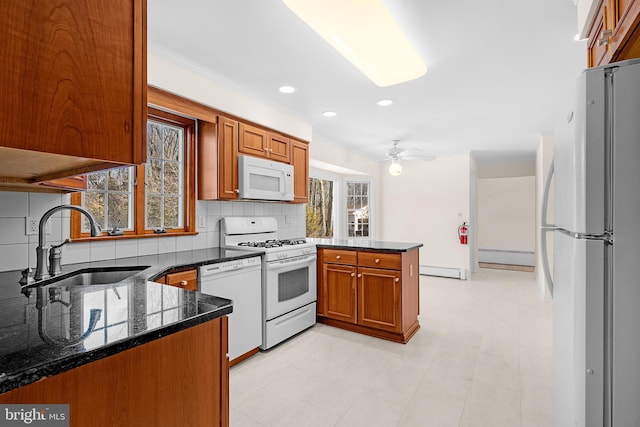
340, 201
362, 180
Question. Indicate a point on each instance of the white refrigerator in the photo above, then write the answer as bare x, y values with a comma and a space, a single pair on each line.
596, 252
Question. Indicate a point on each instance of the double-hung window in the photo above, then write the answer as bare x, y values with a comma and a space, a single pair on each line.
155, 198
358, 197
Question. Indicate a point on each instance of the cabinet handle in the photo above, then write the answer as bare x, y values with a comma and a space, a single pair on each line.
353, 274
236, 191
397, 279
377, 261
183, 283
604, 37
338, 256
359, 274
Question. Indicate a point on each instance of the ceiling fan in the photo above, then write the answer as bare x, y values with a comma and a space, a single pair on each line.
395, 154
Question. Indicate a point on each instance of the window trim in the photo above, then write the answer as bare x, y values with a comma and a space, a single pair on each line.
189, 177
347, 179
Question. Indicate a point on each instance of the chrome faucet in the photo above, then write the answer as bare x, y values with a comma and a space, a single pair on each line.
42, 251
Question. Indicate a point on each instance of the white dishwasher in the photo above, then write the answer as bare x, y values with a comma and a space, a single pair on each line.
239, 280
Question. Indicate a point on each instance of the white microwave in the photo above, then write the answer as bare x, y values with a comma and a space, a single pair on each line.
262, 179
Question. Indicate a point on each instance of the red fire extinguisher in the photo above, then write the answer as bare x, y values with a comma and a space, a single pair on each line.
463, 234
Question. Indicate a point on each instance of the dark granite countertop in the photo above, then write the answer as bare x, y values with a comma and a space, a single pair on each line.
360, 244
47, 328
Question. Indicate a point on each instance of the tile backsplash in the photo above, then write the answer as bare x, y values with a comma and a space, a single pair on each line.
17, 250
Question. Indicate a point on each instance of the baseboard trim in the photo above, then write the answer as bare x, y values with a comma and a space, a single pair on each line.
512, 267
455, 273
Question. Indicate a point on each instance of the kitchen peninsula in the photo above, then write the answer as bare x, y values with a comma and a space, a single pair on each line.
369, 287
121, 352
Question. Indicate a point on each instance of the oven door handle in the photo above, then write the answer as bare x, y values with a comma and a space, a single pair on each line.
279, 265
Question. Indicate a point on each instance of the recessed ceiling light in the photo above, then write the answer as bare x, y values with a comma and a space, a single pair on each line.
329, 113
287, 89
365, 33
385, 102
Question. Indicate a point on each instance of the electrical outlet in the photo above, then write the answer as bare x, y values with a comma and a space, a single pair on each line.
202, 221
288, 219
31, 226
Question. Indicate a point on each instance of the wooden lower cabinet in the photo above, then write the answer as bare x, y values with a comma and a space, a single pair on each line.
187, 279
340, 292
375, 293
380, 299
181, 379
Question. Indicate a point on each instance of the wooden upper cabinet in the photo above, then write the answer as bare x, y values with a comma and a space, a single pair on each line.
74, 84
253, 140
278, 147
300, 162
259, 142
227, 158
614, 32
599, 44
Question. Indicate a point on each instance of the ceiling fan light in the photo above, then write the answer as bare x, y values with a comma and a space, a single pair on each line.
364, 32
395, 168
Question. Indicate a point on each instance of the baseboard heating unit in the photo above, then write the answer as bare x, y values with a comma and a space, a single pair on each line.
455, 273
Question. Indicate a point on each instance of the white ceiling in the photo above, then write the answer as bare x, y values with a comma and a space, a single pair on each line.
500, 72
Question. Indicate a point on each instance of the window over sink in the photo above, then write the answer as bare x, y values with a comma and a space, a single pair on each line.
157, 197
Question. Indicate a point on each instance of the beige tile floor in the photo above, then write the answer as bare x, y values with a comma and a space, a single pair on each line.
482, 358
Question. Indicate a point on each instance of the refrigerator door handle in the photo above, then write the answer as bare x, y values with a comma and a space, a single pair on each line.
545, 226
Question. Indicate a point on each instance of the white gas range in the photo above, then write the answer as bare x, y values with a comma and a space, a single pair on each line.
289, 275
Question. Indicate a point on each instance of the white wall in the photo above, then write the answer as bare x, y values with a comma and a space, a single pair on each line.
426, 204
506, 213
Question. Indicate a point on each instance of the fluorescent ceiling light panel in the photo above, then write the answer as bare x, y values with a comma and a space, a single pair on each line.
364, 32
287, 89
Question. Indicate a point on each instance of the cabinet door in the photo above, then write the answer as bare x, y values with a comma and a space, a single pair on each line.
253, 141
300, 162
183, 279
227, 158
74, 78
380, 299
278, 147
599, 44
207, 161
340, 292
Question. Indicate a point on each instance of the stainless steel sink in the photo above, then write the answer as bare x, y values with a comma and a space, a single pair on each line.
96, 276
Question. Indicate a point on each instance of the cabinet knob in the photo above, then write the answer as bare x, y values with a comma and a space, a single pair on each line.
338, 256
236, 191
377, 261
353, 274
359, 275
397, 279
604, 37
183, 283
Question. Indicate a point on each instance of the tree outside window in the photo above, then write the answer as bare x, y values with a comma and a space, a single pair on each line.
320, 208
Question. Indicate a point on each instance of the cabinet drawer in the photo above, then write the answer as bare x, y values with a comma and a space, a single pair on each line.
338, 256
184, 279
380, 260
